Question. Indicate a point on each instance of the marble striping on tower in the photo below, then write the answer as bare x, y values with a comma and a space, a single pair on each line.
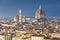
20, 16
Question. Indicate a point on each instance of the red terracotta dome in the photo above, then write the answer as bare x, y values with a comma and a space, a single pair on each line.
40, 12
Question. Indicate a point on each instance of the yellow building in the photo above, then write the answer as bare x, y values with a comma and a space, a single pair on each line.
22, 36
37, 37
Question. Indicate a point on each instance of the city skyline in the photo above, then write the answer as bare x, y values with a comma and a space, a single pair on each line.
11, 7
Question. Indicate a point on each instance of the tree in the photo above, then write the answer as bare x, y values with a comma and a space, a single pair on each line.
8, 37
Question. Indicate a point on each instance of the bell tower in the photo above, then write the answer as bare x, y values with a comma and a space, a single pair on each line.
20, 16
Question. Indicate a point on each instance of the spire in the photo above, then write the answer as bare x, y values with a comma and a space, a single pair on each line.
40, 7
20, 11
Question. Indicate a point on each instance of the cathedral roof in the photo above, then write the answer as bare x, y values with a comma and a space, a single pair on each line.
40, 11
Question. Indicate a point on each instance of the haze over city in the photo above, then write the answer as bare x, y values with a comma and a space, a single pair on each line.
10, 7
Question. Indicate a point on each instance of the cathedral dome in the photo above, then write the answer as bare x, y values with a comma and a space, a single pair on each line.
39, 13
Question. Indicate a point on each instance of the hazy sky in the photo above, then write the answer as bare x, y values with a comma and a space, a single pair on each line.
29, 7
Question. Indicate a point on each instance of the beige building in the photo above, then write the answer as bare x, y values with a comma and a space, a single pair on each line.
2, 37
37, 37
16, 18
21, 36
8, 25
